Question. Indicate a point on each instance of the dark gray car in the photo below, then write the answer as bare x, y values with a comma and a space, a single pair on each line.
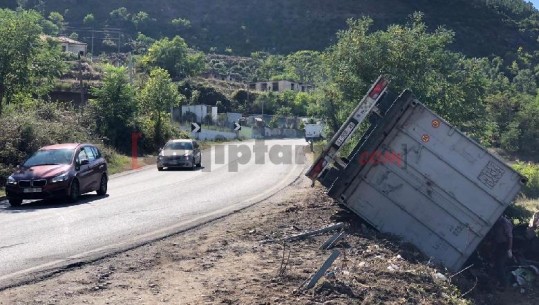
179, 153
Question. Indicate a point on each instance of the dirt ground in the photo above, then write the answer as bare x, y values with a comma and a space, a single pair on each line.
230, 261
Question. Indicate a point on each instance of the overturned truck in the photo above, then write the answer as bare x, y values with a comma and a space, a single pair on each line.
414, 175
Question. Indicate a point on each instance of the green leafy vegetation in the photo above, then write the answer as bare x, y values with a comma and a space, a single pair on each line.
531, 172
481, 27
156, 98
175, 57
113, 110
29, 126
28, 63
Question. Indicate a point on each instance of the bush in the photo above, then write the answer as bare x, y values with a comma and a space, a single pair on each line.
26, 129
148, 143
530, 171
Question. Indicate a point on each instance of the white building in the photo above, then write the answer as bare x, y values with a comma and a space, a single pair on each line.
69, 45
73, 46
280, 86
200, 111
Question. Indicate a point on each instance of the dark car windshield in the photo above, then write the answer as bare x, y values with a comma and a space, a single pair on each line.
50, 157
179, 145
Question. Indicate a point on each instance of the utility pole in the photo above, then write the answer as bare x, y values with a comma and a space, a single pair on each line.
93, 33
130, 68
80, 82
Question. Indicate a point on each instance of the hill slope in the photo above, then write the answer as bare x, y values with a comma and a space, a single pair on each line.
283, 26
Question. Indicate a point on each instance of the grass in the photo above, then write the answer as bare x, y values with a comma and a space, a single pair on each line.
523, 209
121, 163
2, 192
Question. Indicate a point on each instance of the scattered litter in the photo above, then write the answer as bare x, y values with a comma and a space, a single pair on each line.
330, 275
438, 277
362, 264
332, 227
523, 276
393, 268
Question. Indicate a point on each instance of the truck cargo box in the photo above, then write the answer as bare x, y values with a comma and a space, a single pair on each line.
416, 176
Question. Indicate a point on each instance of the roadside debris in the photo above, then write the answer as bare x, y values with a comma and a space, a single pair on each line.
328, 244
301, 236
314, 279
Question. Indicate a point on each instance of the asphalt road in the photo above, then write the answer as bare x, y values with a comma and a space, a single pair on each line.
141, 205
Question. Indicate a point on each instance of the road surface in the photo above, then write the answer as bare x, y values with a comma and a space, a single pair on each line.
142, 205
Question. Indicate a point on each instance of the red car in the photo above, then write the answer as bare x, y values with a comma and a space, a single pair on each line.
56, 171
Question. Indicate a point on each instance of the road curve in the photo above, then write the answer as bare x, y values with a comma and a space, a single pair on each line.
142, 205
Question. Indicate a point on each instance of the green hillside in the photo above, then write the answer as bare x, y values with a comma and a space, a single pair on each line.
482, 27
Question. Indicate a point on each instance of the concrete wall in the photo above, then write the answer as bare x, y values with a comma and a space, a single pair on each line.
207, 134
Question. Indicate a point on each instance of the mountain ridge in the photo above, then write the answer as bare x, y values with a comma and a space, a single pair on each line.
482, 28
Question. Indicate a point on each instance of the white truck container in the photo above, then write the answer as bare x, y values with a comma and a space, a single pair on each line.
414, 175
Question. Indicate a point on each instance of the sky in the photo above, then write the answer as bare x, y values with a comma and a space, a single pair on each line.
535, 3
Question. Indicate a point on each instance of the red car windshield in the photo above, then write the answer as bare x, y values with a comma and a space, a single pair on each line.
50, 157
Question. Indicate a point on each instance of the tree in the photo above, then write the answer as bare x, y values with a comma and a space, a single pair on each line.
304, 66
114, 107
49, 28
21, 4
140, 19
58, 20
26, 61
48, 65
158, 96
451, 84
89, 19
175, 57
181, 23
141, 44
272, 67
119, 16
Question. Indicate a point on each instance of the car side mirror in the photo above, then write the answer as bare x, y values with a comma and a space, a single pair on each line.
84, 162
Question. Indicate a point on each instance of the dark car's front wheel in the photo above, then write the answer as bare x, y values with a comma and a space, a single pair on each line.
102, 191
15, 202
74, 191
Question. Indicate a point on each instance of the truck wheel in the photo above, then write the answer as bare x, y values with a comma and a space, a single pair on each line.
15, 202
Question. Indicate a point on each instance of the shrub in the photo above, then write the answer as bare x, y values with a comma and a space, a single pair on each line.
26, 129
530, 171
148, 143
